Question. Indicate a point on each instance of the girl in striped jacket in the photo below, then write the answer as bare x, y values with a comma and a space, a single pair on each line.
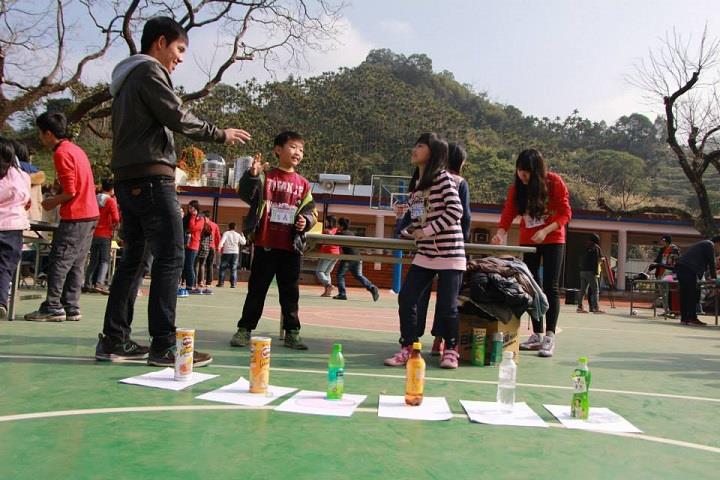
436, 210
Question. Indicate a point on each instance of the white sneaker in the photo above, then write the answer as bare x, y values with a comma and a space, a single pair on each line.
533, 343
548, 346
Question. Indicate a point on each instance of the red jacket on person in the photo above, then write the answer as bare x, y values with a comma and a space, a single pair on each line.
109, 216
195, 227
557, 210
215, 245
332, 249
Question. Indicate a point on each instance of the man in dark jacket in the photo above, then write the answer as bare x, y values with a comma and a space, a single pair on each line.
145, 112
698, 259
590, 275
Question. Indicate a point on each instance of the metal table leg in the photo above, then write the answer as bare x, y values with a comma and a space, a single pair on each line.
13, 293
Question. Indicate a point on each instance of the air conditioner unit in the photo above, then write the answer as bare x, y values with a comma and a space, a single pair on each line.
328, 181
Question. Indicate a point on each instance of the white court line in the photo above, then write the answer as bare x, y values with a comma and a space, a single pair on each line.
640, 332
185, 408
400, 377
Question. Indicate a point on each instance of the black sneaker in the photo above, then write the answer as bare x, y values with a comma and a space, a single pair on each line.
73, 315
340, 296
167, 358
107, 350
292, 340
375, 293
40, 316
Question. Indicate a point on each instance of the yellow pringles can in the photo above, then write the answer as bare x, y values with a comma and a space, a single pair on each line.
259, 364
184, 347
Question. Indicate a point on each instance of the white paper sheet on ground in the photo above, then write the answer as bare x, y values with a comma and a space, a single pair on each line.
432, 408
601, 420
165, 379
238, 393
489, 413
315, 403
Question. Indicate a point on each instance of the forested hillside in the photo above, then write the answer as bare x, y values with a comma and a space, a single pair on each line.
364, 120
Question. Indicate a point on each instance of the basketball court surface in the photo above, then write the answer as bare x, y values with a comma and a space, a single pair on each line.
65, 416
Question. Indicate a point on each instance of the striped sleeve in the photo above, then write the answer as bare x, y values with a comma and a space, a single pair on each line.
444, 195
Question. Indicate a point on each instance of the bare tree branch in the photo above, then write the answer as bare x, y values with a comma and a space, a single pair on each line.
127, 32
28, 33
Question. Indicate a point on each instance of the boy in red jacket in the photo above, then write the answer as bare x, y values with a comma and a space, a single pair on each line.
101, 246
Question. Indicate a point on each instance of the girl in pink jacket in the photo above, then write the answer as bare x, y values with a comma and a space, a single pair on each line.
14, 202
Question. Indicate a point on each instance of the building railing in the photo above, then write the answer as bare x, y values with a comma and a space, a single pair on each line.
406, 246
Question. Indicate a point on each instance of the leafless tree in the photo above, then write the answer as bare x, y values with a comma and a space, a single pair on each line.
43, 52
682, 73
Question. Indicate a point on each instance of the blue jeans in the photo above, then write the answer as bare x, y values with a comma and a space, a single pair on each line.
10, 253
189, 269
417, 281
228, 260
323, 270
355, 268
151, 213
99, 261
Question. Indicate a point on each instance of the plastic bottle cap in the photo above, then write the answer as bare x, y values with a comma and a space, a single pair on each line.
417, 346
508, 355
583, 360
337, 347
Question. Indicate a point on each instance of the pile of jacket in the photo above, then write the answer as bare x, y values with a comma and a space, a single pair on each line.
500, 288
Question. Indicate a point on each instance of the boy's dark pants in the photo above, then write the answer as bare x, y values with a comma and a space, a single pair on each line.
266, 264
66, 265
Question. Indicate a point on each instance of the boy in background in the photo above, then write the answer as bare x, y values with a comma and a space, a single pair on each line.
281, 211
352, 266
101, 246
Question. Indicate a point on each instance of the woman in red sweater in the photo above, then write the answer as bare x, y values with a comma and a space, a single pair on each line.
542, 201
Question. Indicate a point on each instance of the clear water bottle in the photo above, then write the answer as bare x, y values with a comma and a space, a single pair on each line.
506, 383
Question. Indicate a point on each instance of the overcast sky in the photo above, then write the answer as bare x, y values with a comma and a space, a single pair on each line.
546, 57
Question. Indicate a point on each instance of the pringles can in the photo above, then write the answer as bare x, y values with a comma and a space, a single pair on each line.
259, 364
184, 347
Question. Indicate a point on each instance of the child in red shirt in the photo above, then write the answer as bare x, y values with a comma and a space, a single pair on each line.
281, 210
325, 265
101, 247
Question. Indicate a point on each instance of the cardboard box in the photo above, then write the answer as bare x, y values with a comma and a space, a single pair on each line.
509, 330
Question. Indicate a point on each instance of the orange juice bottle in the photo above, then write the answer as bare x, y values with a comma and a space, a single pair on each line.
415, 377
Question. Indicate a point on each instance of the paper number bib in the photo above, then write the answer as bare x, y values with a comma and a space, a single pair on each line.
417, 210
534, 222
282, 213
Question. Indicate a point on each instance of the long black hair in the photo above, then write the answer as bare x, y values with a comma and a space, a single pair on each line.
456, 158
438, 160
21, 151
7, 156
532, 198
